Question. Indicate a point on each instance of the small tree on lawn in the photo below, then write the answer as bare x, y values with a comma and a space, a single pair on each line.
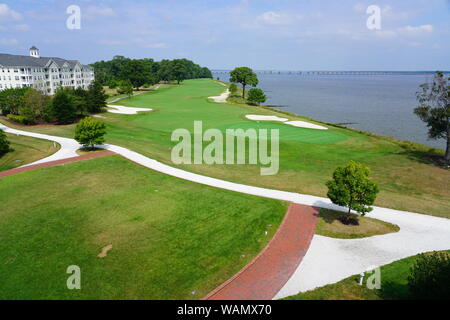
125, 87
352, 188
245, 76
256, 96
4, 143
434, 109
90, 132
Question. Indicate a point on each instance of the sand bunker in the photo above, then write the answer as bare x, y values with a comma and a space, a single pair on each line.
304, 124
297, 123
265, 118
222, 98
126, 110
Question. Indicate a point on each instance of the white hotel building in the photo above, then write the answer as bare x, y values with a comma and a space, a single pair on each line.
43, 74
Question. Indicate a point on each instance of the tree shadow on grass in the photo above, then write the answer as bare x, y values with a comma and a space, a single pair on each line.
330, 216
394, 291
429, 156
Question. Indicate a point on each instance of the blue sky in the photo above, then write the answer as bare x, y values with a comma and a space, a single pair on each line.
262, 34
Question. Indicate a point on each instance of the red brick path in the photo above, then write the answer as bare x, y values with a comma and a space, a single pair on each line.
262, 278
54, 163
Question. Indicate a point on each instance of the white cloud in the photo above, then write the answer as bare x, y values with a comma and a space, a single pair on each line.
21, 27
93, 11
270, 17
7, 14
276, 18
408, 31
159, 45
416, 30
144, 43
8, 42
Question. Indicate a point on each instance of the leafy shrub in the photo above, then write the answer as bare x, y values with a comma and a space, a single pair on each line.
429, 278
256, 96
233, 88
90, 131
4, 143
20, 119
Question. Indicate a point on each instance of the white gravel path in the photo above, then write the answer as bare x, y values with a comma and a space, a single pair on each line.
222, 98
328, 260
125, 110
68, 146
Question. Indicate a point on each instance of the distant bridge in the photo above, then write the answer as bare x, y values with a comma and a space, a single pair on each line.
340, 73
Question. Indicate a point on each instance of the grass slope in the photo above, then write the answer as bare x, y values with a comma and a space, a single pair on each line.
394, 285
25, 150
170, 237
307, 157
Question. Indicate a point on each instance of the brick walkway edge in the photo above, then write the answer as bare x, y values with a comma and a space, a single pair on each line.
268, 272
54, 163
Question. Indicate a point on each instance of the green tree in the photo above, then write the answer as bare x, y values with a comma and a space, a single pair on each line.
125, 87
352, 188
62, 107
4, 143
80, 100
434, 108
429, 277
90, 132
179, 70
33, 105
256, 96
165, 71
233, 88
245, 76
96, 98
11, 99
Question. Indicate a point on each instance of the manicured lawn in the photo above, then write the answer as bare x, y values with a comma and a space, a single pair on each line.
25, 150
394, 285
328, 225
170, 237
307, 157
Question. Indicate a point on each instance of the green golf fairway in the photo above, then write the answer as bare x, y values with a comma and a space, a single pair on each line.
308, 157
171, 239
291, 133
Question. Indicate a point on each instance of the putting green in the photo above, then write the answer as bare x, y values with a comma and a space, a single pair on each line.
290, 133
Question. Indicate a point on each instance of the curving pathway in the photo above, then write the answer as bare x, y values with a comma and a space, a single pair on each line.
328, 260
267, 273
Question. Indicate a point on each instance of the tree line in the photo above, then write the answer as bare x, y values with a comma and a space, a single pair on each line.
29, 106
140, 72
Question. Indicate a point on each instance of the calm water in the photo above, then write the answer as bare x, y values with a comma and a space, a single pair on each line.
382, 104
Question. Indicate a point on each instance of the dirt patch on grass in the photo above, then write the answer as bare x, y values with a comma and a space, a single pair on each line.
105, 250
